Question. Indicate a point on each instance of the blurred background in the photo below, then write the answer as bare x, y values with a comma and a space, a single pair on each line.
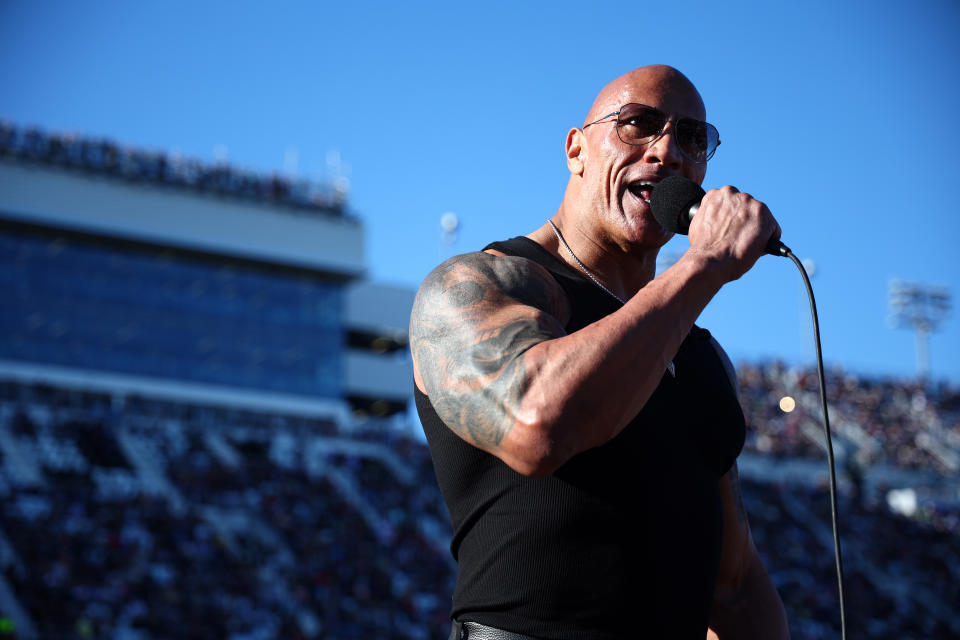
213, 220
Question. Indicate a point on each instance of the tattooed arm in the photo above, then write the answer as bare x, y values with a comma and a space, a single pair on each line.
745, 602
490, 351
473, 321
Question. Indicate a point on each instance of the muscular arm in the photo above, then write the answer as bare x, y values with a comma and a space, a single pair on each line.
745, 604
473, 321
490, 351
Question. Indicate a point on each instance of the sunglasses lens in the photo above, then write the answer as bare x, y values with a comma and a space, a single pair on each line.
697, 139
637, 123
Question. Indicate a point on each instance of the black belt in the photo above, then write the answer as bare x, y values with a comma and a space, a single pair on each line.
477, 631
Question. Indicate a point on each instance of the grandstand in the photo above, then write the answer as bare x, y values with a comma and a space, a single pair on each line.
203, 428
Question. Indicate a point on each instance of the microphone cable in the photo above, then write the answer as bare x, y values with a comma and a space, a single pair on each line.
786, 252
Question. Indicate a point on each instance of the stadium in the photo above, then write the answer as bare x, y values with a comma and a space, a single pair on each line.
204, 429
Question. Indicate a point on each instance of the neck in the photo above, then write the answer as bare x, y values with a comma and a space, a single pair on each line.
622, 270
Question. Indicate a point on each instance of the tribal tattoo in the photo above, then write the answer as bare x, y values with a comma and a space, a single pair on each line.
473, 320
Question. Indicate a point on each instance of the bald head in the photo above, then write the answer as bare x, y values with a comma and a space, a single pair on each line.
658, 80
607, 195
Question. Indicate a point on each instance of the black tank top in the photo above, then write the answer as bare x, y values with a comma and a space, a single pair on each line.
623, 541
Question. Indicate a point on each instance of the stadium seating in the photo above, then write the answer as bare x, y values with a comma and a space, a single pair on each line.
138, 518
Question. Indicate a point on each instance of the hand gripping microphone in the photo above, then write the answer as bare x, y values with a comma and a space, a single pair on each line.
675, 201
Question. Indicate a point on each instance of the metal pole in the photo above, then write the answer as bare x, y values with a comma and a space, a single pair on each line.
923, 351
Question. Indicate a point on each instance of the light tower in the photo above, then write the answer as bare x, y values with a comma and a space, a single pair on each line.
921, 307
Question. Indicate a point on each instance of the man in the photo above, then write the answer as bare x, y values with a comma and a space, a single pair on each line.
583, 430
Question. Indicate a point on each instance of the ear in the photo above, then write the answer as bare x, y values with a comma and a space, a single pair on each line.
576, 151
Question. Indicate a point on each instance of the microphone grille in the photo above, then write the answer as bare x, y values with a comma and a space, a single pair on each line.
671, 201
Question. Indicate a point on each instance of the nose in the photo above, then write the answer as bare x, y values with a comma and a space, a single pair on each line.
664, 150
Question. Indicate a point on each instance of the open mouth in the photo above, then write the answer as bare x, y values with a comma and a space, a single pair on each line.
642, 189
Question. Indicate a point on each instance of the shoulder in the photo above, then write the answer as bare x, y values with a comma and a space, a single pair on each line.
728, 367
484, 278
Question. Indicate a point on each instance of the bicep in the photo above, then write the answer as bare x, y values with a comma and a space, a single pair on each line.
473, 321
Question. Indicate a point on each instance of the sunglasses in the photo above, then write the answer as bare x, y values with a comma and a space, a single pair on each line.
638, 125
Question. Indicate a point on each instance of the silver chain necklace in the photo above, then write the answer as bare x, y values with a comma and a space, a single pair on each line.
670, 367
581, 265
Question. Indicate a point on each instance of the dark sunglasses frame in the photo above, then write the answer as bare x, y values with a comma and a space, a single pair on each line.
683, 128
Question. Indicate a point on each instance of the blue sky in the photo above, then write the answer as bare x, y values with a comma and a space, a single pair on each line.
839, 115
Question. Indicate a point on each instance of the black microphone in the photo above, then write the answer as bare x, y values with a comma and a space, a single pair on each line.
674, 202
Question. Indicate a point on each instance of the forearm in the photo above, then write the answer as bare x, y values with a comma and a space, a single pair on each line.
636, 343
490, 350
603, 374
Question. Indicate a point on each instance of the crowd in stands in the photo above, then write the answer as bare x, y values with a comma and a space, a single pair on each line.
170, 169
237, 541
133, 518
901, 576
906, 425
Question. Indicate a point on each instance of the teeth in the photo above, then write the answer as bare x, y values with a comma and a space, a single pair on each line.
637, 188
